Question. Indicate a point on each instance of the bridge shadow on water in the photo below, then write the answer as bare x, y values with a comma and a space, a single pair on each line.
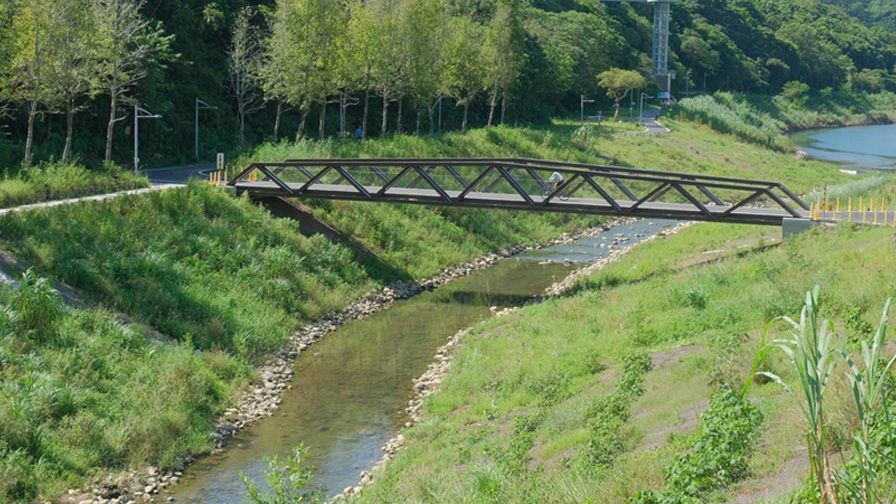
376, 268
479, 298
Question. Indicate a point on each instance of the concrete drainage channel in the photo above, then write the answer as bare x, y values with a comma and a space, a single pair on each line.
151, 484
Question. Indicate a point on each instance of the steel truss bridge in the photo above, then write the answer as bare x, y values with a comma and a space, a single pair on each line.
521, 184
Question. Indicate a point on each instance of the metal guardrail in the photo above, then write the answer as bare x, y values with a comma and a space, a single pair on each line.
520, 184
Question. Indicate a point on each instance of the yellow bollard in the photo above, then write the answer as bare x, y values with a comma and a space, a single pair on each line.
850, 209
811, 211
861, 204
225, 177
825, 202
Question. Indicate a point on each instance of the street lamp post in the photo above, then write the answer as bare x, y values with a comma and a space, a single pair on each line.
140, 113
582, 108
200, 105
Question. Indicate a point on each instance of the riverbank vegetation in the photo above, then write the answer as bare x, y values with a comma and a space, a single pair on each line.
762, 119
513, 420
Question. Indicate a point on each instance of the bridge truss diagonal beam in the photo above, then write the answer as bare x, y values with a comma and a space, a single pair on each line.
519, 184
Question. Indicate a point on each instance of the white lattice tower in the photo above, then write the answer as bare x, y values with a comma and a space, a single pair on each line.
660, 39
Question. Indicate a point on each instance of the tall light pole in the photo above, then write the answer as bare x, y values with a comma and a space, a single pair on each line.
200, 105
641, 105
140, 113
582, 108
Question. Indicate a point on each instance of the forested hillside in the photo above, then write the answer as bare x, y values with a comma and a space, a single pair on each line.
70, 72
870, 12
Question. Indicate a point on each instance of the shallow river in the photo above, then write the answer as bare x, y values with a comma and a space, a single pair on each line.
862, 149
350, 388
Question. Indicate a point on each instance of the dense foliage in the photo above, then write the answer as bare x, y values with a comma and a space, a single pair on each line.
870, 12
286, 68
718, 453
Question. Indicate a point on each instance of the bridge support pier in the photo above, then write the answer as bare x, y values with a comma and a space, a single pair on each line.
790, 227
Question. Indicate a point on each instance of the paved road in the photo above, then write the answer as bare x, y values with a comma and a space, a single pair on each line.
178, 174
649, 118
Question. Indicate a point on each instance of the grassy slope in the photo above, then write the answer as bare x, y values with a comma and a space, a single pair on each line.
657, 299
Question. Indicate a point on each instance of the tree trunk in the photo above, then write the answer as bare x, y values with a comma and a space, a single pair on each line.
111, 126
503, 105
364, 117
32, 112
69, 119
242, 131
463, 127
301, 131
398, 128
385, 116
616, 114
431, 109
277, 120
323, 116
491, 108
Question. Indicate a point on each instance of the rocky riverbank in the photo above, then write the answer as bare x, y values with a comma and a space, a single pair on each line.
428, 383
262, 400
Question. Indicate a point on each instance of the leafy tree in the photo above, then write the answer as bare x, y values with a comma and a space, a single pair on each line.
387, 38
31, 38
271, 74
6, 25
286, 59
127, 46
426, 20
464, 66
312, 38
362, 51
244, 55
619, 83
503, 52
72, 65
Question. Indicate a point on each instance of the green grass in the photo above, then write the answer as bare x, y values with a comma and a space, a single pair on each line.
505, 366
79, 391
52, 181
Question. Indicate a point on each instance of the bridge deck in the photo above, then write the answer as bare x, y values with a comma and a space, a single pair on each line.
519, 184
743, 215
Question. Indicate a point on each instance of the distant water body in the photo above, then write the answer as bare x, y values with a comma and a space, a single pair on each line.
863, 149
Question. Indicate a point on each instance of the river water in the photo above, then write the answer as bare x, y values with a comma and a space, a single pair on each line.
351, 387
863, 149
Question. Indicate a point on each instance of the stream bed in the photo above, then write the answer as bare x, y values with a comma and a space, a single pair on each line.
350, 389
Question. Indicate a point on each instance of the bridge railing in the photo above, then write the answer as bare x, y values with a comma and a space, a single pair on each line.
521, 183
